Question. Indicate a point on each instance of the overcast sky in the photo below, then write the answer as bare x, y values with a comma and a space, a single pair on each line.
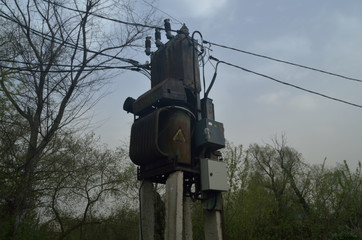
320, 34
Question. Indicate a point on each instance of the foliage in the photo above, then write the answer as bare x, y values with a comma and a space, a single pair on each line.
82, 190
346, 236
276, 195
52, 53
80, 185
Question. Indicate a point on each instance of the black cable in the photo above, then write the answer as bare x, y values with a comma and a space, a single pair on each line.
139, 68
212, 81
283, 61
72, 45
193, 58
211, 195
73, 69
291, 85
208, 42
203, 73
178, 21
106, 18
64, 65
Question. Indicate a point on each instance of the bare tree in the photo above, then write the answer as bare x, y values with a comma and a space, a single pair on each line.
292, 166
51, 54
283, 172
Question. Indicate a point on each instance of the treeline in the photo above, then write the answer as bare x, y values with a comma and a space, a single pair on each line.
82, 190
274, 194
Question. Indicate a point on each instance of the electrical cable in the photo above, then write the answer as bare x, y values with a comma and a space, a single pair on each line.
203, 41
64, 65
73, 69
106, 18
211, 43
193, 58
283, 61
203, 73
178, 21
212, 81
72, 45
289, 84
139, 68
215, 196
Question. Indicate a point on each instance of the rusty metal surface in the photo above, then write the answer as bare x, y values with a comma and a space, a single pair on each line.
143, 144
160, 138
167, 92
176, 60
174, 135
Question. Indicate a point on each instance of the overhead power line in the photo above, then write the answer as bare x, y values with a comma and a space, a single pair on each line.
160, 10
142, 68
207, 42
289, 84
137, 66
71, 68
67, 43
283, 61
106, 18
212, 43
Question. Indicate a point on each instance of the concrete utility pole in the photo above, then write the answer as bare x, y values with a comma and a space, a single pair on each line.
175, 206
147, 210
174, 141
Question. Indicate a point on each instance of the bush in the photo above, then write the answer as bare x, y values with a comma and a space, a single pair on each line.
346, 236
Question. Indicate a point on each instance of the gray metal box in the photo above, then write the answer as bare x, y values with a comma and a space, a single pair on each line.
213, 175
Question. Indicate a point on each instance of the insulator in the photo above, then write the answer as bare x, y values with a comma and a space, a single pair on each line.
157, 34
168, 29
148, 46
158, 38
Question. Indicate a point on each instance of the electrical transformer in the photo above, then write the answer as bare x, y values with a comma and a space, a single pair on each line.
161, 135
173, 130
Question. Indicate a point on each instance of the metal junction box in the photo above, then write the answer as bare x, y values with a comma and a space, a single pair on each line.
209, 133
213, 175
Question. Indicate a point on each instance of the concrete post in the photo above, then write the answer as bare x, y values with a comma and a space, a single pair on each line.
212, 225
187, 219
174, 206
147, 211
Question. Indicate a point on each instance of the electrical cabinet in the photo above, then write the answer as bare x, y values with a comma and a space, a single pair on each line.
210, 134
213, 175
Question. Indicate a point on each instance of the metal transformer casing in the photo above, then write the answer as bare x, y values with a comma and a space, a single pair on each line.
178, 59
161, 141
168, 92
161, 138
